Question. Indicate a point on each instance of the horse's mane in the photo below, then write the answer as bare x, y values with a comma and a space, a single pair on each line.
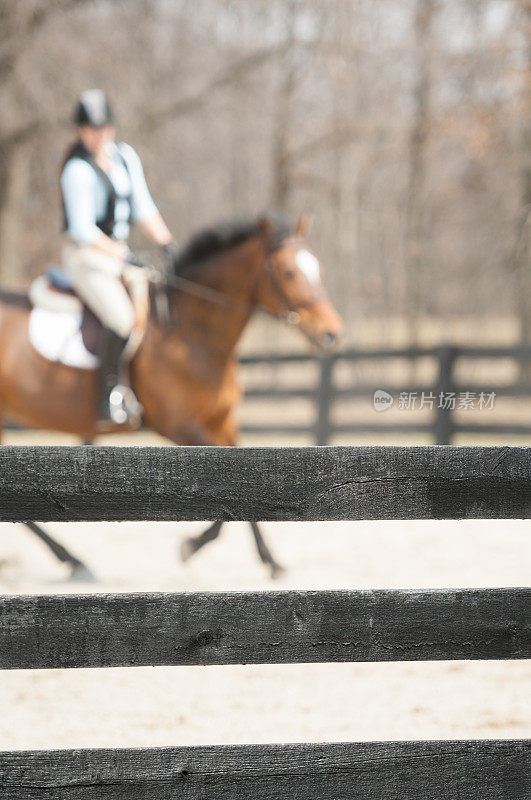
217, 239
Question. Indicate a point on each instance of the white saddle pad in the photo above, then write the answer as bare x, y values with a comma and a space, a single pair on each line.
56, 335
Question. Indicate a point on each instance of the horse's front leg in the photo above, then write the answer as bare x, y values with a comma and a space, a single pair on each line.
194, 434
265, 553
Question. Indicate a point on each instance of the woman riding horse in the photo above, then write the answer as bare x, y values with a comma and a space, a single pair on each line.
104, 189
185, 371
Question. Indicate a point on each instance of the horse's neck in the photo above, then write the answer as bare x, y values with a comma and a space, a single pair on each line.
211, 328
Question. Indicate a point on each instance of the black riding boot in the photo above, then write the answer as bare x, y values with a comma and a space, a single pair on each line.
116, 402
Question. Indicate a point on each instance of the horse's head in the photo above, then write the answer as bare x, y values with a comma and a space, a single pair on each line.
291, 287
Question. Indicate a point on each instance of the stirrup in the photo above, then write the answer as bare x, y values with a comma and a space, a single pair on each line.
124, 407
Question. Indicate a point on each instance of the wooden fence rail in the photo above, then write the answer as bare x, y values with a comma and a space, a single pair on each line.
443, 425
266, 483
266, 627
263, 628
446, 770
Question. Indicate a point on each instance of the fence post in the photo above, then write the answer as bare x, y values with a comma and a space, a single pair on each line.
443, 426
325, 391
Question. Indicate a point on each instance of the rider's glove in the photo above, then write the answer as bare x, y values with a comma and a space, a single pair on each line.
170, 252
139, 259
120, 250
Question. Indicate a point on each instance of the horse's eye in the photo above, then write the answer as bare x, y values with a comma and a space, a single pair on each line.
289, 273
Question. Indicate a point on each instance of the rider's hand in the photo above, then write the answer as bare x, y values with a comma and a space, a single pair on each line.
139, 259
120, 250
170, 252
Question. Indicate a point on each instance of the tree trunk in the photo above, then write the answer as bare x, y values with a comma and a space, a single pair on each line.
522, 251
14, 186
281, 166
415, 251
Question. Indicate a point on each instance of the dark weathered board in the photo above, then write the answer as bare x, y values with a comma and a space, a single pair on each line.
313, 483
263, 627
445, 770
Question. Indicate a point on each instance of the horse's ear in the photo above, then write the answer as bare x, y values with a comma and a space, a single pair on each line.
266, 225
303, 226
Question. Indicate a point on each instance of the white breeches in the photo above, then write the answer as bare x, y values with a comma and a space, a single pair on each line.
96, 277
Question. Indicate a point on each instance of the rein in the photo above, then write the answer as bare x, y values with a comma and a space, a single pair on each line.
198, 290
288, 315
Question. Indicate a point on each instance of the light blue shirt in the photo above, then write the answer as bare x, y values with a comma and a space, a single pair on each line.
86, 195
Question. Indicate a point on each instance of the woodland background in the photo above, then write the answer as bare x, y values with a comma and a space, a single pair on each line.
403, 125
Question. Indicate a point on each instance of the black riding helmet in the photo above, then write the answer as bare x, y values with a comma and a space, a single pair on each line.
93, 109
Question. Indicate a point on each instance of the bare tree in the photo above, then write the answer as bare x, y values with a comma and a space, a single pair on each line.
394, 122
415, 206
522, 249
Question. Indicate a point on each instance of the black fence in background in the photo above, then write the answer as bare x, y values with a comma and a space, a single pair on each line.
443, 424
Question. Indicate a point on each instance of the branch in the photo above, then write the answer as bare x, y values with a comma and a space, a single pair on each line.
31, 129
14, 45
196, 99
336, 138
40, 14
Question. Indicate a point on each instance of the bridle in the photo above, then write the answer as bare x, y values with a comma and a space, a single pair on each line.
288, 313
289, 309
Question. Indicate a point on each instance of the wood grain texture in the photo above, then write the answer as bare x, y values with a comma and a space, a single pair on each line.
263, 627
446, 770
312, 483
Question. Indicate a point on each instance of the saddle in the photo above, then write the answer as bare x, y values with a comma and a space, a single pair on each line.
53, 292
63, 328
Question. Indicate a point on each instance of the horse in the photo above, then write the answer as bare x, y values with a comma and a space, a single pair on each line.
185, 372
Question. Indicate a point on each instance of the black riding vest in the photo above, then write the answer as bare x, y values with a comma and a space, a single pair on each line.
78, 150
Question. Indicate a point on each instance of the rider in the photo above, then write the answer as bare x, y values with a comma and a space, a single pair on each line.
104, 189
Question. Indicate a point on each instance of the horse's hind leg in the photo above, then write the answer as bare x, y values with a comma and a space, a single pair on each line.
79, 572
192, 544
264, 552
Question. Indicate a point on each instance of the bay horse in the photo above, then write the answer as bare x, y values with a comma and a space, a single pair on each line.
185, 370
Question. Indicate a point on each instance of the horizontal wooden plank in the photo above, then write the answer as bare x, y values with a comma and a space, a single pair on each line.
433, 770
99, 630
341, 355
366, 391
279, 358
278, 428
519, 353
280, 392
500, 390
310, 483
383, 427
507, 430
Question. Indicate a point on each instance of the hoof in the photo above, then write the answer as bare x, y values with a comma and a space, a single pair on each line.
82, 573
186, 550
277, 571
